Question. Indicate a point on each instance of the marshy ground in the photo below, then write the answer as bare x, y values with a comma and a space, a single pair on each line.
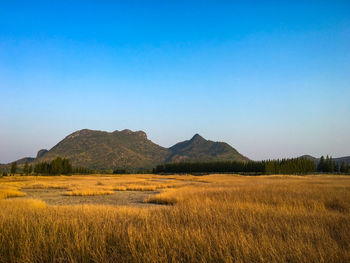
130, 190
152, 218
59, 197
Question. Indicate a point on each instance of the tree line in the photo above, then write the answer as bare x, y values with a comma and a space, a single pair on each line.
55, 167
280, 166
328, 165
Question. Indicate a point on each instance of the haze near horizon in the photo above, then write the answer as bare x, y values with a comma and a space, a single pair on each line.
272, 79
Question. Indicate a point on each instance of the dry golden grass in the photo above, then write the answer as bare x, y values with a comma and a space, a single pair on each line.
217, 218
43, 186
6, 193
135, 187
22, 204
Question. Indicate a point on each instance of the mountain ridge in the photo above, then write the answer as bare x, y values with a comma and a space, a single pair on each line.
200, 149
132, 150
107, 150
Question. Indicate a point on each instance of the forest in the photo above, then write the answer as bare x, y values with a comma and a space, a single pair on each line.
279, 166
56, 166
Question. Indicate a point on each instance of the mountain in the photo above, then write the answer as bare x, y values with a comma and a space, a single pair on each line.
131, 150
200, 149
107, 150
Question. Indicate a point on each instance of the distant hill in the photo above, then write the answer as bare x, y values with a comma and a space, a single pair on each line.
345, 159
24, 160
20, 163
200, 149
338, 160
131, 150
108, 150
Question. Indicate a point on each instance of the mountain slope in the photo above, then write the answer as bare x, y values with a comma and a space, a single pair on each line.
200, 149
105, 150
41, 153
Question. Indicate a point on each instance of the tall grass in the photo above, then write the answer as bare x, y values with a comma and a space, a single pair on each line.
6, 193
225, 219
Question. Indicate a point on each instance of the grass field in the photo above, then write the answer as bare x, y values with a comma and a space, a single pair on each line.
216, 218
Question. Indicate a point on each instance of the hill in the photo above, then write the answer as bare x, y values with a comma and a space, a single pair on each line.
338, 160
133, 151
345, 159
20, 163
108, 150
24, 160
200, 149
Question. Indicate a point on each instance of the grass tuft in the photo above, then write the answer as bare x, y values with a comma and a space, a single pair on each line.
7, 193
336, 204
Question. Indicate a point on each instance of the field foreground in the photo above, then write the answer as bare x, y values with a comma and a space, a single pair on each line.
151, 218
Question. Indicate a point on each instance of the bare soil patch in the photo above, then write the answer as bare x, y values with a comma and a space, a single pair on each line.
119, 198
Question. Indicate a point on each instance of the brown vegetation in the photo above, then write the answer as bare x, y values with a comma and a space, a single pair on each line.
6, 193
217, 218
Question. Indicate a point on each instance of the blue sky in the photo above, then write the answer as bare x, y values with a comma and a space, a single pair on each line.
272, 79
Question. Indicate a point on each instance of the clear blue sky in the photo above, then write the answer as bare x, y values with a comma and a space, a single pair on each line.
272, 79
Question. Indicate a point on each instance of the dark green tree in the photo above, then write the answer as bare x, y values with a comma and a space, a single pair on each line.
55, 167
336, 167
30, 169
321, 165
329, 164
26, 168
284, 166
344, 168
66, 167
13, 167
